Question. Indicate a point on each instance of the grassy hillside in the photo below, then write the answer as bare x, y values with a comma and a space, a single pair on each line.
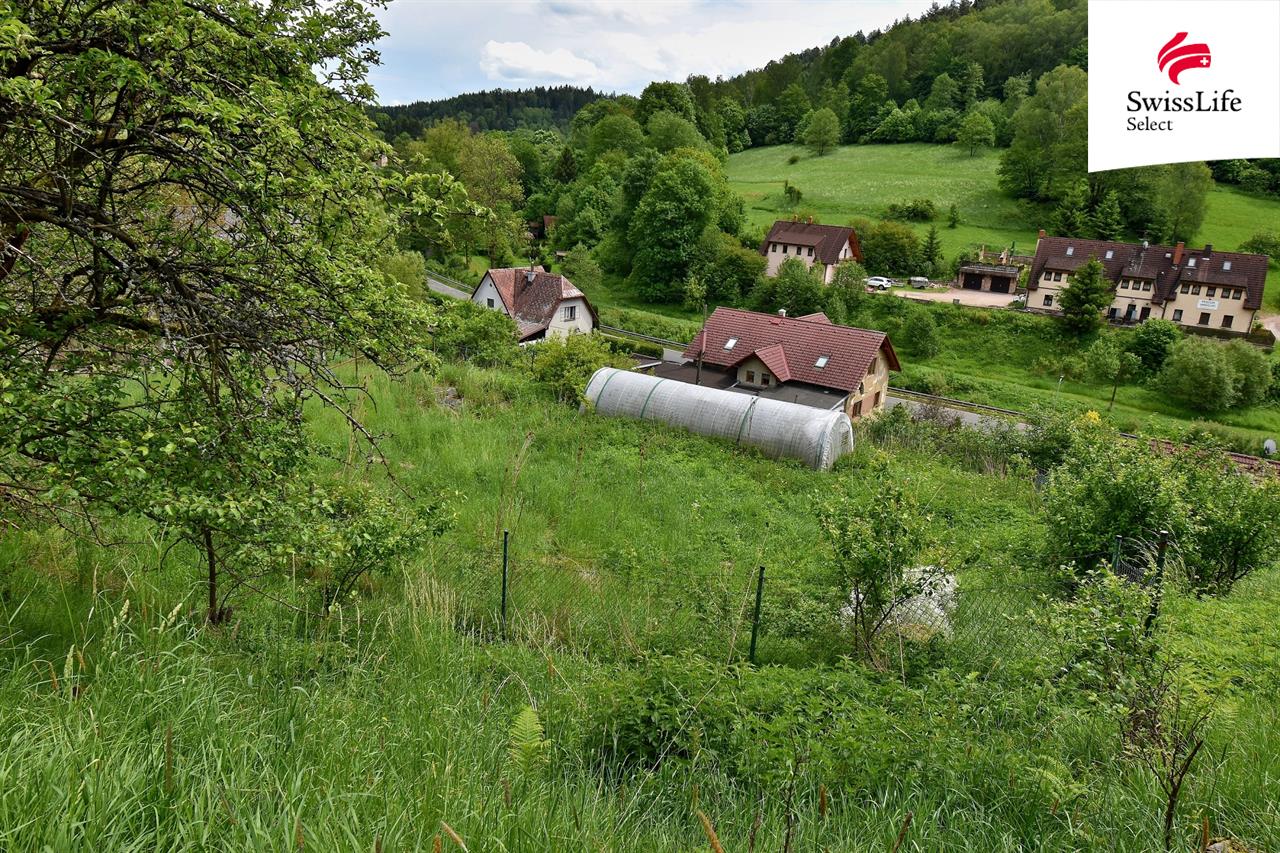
862, 180
377, 727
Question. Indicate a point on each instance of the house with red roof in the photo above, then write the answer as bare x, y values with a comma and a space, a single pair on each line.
542, 304
807, 360
1199, 289
824, 245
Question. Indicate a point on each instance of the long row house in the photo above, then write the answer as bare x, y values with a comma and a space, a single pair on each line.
1196, 288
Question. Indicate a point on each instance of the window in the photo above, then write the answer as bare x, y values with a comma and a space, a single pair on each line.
1057, 276
784, 248
1204, 318
1110, 254
490, 301
822, 361
1226, 265
1111, 313
764, 379
1124, 284
751, 377
1211, 292
731, 343
811, 251
1146, 285
857, 409
1195, 290
1048, 300
1186, 288
1177, 315
1071, 250
569, 313
1226, 321
1191, 262
873, 366
877, 401
773, 247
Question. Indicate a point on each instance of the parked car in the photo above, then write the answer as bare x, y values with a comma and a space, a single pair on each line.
879, 282
920, 282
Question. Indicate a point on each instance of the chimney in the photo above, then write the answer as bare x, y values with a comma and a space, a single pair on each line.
528, 276
1041, 233
1177, 253
782, 312
1208, 249
808, 220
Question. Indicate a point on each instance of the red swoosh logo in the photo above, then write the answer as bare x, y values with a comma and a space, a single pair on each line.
1179, 57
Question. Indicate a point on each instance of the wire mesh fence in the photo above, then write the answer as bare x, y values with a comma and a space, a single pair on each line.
735, 613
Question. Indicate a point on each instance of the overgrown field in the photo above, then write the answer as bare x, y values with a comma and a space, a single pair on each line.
404, 717
863, 180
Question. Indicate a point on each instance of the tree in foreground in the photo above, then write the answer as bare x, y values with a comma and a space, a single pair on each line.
189, 226
877, 542
1111, 363
1084, 298
823, 132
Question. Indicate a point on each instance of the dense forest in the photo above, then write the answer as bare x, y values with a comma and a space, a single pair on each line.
538, 108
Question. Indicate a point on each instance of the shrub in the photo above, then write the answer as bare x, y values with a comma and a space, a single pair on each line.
1236, 519
1152, 342
916, 210
1264, 243
1202, 374
564, 364
1253, 372
470, 333
920, 334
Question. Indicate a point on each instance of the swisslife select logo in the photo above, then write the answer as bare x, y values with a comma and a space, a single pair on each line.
1176, 57
1159, 93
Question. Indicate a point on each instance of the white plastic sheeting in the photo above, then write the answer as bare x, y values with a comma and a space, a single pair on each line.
815, 436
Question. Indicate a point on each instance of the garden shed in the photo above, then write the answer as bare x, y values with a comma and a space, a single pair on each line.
815, 436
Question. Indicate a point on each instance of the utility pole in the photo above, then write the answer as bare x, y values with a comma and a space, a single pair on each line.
702, 344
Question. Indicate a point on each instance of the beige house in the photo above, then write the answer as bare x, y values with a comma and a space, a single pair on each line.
807, 360
542, 304
1196, 288
824, 245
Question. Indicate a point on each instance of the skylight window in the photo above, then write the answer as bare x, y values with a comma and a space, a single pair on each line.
1191, 262
1226, 265
1110, 254
731, 343
822, 361
1071, 250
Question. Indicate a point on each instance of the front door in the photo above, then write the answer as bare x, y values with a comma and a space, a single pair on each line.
1128, 313
1144, 313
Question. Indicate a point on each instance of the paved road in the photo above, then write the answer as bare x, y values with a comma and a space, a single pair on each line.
971, 419
441, 287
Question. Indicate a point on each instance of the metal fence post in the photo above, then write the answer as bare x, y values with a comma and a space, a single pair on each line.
504, 583
755, 616
1115, 554
1161, 550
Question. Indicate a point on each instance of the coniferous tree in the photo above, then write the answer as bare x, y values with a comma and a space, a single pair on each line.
1084, 298
1108, 222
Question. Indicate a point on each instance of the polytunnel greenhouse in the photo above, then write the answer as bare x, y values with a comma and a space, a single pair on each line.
817, 437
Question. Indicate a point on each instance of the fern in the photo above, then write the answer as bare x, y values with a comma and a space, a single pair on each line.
527, 751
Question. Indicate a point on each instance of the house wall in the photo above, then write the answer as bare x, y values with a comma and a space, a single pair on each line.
1192, 305
485, 292
581, 324
774, 258
756, 368
875, 383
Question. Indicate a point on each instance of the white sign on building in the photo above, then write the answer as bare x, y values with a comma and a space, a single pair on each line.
1207, 304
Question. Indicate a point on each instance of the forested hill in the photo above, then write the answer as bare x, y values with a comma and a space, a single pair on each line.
542, 107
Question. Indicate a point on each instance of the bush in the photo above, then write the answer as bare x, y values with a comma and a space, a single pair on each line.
1264, 243
468, 332
920, 334
1152, 342
565, 364
916, 210
1209, 376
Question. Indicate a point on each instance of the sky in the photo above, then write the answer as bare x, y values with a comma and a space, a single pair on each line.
438, 48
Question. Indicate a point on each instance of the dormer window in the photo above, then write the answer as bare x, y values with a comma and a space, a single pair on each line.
1226, 265
1071, 250
822, 361
1110, 254
731, 343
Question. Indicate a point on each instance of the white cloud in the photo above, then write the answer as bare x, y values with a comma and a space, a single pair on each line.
518, 61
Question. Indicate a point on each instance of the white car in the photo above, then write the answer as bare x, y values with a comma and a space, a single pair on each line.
879, 282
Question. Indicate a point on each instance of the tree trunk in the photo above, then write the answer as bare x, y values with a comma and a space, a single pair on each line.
212, 559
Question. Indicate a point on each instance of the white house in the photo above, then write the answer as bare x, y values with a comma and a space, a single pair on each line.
542, 304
